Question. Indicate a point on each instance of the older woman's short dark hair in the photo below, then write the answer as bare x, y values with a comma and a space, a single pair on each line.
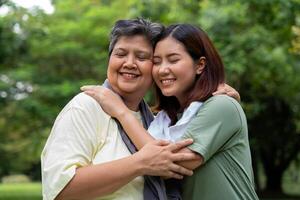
132, 27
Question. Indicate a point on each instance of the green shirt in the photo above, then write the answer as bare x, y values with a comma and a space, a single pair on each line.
220, 135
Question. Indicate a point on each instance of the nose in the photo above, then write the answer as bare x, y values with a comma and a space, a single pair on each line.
163, 69
130, 61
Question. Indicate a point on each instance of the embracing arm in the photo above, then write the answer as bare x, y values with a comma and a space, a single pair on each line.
140, 136
215, 127
67, 169
154, 159
94, 181
113, 105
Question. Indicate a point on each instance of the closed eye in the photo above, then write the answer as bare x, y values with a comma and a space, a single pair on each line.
143, 56
120, 54
156, 60
173, 61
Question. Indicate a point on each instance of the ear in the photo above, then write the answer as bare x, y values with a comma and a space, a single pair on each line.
200, 65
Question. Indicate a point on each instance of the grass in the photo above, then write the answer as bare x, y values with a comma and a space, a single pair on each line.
21, 191
33, 191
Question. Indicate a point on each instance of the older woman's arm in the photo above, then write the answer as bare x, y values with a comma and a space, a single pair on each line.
68, 171
155, 158
115, 107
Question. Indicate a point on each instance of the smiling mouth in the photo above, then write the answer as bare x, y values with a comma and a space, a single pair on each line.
129, 75
167, 82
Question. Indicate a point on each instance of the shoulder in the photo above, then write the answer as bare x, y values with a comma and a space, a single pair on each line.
221, 104
87, 105
221, 108
221, 100
83, 101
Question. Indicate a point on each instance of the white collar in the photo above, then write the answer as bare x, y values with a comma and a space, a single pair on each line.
160, 129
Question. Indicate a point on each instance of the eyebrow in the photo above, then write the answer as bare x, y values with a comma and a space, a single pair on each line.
142, 51
173, 54
136, 51
120, 48
169, 55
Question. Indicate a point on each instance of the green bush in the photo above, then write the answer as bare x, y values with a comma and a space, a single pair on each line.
21, 191
17, 178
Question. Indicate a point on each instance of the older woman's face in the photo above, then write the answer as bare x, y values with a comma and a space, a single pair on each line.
130, 66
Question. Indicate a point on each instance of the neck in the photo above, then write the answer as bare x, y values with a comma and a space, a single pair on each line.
181, 101
132, 103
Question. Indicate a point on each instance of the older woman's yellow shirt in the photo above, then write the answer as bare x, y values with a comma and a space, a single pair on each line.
83, 134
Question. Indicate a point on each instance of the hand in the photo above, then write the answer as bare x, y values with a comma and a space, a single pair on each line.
158, 159
110, 102
227, 90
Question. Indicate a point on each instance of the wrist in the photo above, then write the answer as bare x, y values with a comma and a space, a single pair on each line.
123, 114
140, 167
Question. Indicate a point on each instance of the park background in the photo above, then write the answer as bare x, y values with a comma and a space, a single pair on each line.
46, 57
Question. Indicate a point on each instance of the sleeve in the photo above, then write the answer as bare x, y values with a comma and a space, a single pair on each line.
215, 124
72, 143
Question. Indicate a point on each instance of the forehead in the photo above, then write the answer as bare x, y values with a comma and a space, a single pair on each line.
169, 45
137, 42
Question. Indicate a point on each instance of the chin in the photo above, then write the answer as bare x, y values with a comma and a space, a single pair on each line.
128, 90
167, 94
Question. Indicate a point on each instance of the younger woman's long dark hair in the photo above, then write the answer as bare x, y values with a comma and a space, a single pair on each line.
197, 44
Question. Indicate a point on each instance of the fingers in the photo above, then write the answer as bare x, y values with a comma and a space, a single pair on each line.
178, 172
174, 175
161, 142
181, 171
220, 91
93, 90
227, 90
180, 144
223, 89
90, 93
178, 157
88, 87
235, 95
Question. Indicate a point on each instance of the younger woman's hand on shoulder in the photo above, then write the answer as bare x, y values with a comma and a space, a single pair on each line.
110, 102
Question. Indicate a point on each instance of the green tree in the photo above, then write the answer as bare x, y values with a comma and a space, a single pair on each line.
44, 59
296, 41
259, 64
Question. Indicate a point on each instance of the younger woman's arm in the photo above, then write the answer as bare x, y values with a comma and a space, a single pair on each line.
115, 107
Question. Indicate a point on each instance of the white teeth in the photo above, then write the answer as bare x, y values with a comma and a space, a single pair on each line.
129, 75
167, 81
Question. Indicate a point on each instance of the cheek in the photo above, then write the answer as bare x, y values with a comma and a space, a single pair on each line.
111, 73
155, 73
147, 71
113, 66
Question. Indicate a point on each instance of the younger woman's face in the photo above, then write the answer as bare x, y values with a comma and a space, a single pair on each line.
174, 71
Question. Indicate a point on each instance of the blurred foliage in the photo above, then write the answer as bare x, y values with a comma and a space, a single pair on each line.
296, 41
17, 178
44, 59
21, 191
